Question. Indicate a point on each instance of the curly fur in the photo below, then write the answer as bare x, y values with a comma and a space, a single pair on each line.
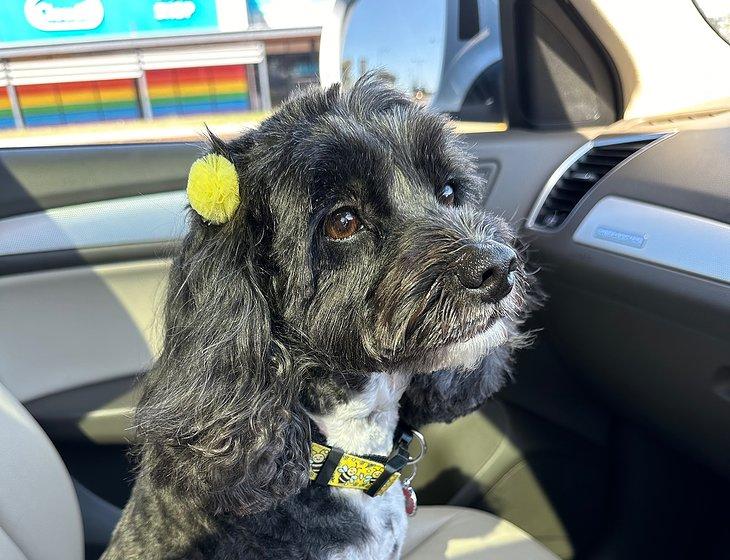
273, 333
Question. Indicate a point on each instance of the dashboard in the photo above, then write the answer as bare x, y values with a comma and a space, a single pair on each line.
637, 269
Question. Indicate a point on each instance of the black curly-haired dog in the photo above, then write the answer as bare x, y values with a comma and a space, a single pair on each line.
358, 283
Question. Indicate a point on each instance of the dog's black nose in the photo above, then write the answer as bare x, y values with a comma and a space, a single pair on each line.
487, 268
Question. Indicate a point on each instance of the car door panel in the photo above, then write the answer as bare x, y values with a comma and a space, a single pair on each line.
100, 413
51, 177
144, 219
69, 327
86, 235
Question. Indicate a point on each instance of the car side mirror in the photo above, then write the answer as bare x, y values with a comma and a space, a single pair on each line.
445, 54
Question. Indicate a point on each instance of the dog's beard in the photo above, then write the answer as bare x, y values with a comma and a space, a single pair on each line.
464, 355
460, 339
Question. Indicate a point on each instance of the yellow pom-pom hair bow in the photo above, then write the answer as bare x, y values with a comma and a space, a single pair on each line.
213, 188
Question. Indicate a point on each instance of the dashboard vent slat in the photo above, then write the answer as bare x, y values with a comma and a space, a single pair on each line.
623, 147
588, 168
592, 160
615, 154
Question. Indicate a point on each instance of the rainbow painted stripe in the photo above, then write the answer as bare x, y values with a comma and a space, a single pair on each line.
76, 102
185, 91
6, 113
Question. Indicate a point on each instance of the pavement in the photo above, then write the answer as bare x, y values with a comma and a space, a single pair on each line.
171, 129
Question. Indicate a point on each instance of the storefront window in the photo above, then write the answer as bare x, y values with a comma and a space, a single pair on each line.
290, 71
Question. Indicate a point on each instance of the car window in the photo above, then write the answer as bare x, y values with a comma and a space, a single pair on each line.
444, 54
99, 71
717, 14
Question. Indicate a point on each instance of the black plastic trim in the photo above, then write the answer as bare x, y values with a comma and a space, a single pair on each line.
513, 90
59, 414
33, 262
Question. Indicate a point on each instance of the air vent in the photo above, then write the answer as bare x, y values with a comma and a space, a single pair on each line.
579, 174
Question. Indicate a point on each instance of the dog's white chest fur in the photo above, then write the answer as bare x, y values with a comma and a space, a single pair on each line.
365, 426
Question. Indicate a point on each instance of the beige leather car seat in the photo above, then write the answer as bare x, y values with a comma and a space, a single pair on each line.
468, 534
40, 517
39, 514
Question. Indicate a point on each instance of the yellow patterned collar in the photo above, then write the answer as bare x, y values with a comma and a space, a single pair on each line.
331, 466
350, 471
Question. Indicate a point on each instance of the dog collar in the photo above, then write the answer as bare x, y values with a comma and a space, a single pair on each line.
331, 466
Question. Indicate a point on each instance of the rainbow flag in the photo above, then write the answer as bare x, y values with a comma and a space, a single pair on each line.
6, 113
76, 102
185, 91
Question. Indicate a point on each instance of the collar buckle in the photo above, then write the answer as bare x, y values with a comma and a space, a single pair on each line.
399, 459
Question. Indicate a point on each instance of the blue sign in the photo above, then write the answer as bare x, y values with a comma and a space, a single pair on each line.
34, 22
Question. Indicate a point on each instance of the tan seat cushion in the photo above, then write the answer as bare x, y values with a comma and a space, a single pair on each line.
468, 534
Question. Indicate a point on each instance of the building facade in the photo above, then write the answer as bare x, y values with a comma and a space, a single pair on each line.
76, 61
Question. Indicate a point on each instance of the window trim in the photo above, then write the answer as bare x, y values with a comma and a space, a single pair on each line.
715, 29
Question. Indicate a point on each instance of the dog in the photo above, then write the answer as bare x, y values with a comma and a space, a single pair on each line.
358, 287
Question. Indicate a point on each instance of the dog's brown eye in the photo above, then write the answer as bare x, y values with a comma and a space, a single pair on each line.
342, 224
445, 195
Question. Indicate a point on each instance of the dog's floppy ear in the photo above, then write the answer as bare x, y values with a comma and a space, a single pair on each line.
219, 420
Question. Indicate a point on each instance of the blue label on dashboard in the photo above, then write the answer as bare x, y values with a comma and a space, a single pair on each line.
628, 238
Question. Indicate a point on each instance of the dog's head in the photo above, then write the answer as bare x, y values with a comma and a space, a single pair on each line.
359, 246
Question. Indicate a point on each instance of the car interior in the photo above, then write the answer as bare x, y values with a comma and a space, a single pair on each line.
602, 131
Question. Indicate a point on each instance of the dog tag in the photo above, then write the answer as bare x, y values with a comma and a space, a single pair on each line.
411, 500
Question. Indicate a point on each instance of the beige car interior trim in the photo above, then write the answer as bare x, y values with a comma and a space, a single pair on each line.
112, 423
61, 329
650, 57
40, 517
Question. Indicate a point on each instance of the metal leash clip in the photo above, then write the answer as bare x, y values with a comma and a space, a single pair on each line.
408, 492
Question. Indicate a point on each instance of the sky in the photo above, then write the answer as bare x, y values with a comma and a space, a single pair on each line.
295, 13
